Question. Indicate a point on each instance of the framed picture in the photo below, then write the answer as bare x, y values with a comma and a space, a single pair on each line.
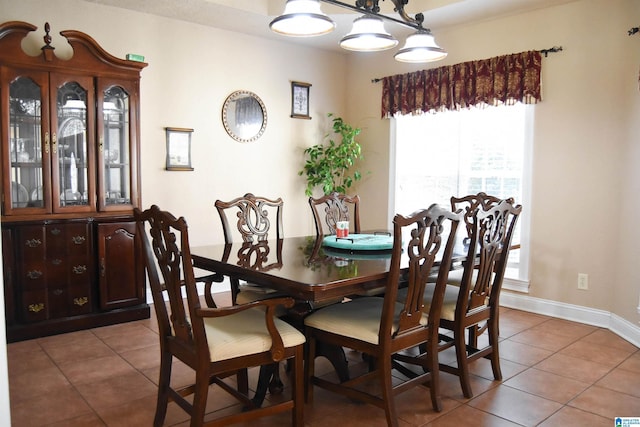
179, 149
300, 100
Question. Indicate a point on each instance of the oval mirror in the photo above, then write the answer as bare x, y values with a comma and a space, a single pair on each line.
244, 116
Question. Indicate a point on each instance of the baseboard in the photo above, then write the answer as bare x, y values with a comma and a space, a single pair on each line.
575, 313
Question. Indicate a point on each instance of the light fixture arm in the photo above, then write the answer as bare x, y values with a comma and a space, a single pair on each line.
371, 7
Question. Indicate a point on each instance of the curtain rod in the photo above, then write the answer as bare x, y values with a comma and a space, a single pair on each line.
633, 30
546, 52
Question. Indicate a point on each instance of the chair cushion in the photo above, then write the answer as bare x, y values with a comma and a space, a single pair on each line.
250, 293
359, 318
454, 278
450, 299
245, 333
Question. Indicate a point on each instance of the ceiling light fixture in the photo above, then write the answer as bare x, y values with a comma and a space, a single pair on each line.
368, 35
304, 18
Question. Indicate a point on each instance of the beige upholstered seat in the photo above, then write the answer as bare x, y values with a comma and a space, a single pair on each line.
383, 328
214, 342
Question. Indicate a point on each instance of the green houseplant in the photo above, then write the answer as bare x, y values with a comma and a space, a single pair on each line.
330, 165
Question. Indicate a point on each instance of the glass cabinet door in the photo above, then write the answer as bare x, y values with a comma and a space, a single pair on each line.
114, 156
28, 148
71, 144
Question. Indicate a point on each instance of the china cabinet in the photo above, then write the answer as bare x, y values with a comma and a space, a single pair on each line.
70, 179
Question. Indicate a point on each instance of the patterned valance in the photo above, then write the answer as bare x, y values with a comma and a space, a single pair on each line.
499, 80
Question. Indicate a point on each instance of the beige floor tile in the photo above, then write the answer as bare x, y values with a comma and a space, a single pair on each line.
463, 414
96, 369
572, 417
607, 403
49, 408
116, 390
515, 405
623, 381
523, 354
543, 338
20, 362
608, 338
602, 354
572, 367
545, 384
36, 383
632, 363
565, 328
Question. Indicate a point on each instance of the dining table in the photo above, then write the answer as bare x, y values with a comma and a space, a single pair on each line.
300, 267
306, 269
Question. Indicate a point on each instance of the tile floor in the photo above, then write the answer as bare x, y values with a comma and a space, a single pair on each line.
556, 373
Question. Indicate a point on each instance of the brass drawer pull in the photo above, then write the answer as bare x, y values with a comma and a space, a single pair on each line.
78, 240
58, 292
56, 231
56, 261
80, 269
33, 243
34, 274
36, 307
80, 301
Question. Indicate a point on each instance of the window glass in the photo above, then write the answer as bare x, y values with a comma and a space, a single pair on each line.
464, 152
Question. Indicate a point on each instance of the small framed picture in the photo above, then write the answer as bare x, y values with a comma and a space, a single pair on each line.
300, 100
179, 149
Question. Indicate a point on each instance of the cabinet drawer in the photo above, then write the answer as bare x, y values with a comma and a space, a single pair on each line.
34, 306
80, 299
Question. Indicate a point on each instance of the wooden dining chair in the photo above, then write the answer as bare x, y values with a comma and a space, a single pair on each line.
473, 306
214, 342
469, 205
253, 219
331, 208
383, 327
256, 217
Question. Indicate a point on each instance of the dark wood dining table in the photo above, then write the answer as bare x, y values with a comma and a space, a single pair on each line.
299, 267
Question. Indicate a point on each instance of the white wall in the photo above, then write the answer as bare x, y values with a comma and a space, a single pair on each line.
586, 156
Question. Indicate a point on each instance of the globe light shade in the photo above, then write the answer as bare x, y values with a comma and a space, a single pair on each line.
302, 18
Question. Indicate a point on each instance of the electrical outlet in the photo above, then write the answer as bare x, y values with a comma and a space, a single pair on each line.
583, 281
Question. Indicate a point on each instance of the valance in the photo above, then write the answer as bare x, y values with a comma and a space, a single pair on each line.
499, 80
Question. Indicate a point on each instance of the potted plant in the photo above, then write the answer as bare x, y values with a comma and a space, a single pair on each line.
329, 165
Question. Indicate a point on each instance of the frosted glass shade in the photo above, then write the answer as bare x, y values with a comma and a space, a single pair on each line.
302, 18
368, 35
420, 47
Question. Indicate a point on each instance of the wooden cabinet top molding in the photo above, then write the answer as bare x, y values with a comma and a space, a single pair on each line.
88, 55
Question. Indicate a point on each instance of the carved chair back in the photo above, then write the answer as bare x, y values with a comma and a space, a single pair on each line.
331, 208
255, 216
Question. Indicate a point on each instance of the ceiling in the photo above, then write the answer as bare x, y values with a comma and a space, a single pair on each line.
253, 16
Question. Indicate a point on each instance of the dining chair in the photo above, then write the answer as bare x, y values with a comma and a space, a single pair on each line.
473, 306
214, 342
469, 205
331, 208
383, 327
255, 218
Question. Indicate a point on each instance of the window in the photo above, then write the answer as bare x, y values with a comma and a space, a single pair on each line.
465, 152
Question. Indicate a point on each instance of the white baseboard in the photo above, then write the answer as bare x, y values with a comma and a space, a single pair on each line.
575, 313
